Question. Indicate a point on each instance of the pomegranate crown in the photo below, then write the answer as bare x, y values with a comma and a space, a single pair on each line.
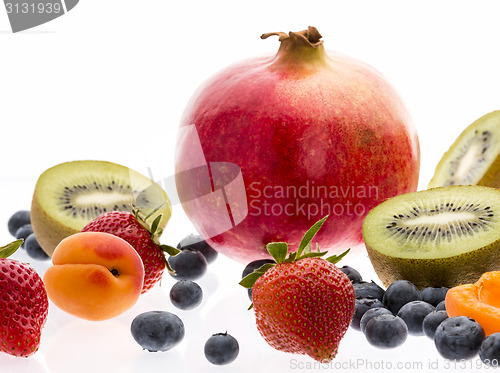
310, 37
300, 50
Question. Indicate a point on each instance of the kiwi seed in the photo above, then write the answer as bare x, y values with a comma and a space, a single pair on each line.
419, 225
70, 195
474, 158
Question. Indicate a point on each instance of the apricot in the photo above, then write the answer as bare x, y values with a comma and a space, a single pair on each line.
479, 301
94, 276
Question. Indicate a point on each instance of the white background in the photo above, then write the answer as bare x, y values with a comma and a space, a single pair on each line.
110, 80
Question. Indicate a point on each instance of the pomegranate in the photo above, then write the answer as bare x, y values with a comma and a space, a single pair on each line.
271, 145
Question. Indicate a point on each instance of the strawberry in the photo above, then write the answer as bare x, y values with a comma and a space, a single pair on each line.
144, 238
23, 305
303, 304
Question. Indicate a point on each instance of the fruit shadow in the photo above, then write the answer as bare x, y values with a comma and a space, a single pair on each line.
173, 360
228, 312
417, 353
31, 364
90, 346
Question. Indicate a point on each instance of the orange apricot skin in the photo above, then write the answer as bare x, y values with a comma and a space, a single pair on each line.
474, 301
95, 276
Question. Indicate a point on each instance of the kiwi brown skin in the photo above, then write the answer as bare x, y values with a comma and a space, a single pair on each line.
451, 271
491, 178
47, 231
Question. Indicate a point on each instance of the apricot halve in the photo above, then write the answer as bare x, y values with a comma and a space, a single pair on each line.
479, 301
94, 276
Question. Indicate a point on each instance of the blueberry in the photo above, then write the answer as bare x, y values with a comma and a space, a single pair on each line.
17, 220
188, 265
195, 242
365, 289
33, 248
413, 314
370, 314
361, 306
458, 338
433, 295
441, 306
221, 349
386, 331
252, 266
352, 274
186, 295
24, 232
399, 293
489, 352
157, 330
432, 321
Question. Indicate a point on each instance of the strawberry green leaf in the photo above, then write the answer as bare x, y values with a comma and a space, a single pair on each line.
154, 211
135, 211
249, 280
306, 240
314, 254
158, 233
278, 251
336, 258
9, 249
153, 228
172, 251
155, 223
308, 248
169, 268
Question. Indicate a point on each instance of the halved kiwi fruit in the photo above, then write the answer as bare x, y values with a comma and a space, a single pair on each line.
70, 195
443, 236
474, 158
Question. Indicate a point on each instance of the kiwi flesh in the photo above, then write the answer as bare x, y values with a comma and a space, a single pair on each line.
70, 195
474, 158
443, 236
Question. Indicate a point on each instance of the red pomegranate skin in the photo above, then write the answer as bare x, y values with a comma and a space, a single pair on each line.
315, 133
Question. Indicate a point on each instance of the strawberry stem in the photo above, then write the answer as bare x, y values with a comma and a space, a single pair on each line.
279, 251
